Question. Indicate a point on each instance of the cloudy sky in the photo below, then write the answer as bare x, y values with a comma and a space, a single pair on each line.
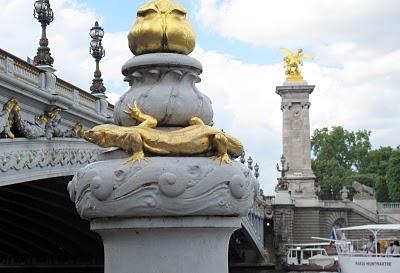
356, 68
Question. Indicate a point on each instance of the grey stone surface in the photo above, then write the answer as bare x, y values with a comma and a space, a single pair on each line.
157, 59
167, 245
164, 86
163, 186
296, 139
25, 160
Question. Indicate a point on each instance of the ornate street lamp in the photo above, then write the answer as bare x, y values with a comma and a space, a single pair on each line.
44, 14
250, 163
98, 52
256, 171
285, 167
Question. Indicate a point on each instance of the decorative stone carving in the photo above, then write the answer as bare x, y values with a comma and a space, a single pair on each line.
75, 132
153, 203
163, 186
46, 125
6, 118
306, 105
163, 85
286, 106
41, 158
363, 192
10, 66
344, 192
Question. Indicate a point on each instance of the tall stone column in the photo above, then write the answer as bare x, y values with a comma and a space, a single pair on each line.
161, 202
296, 138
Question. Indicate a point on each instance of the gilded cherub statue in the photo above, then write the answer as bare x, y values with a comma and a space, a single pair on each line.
293, 61
197, 138
45, 125
161, 26
10, 109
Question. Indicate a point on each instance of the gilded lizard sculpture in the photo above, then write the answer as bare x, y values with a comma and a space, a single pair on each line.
197, 138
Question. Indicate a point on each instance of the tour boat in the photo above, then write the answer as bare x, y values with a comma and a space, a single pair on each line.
310, 257
354, 260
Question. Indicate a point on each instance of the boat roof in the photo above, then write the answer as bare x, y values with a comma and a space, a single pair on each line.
373, 227
308, 244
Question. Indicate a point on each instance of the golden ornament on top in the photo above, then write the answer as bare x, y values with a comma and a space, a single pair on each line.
292, 62
161, 26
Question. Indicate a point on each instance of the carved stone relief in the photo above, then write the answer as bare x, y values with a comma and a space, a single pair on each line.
47, 125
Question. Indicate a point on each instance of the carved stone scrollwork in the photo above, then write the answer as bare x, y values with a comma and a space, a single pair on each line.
190, 186
38, 158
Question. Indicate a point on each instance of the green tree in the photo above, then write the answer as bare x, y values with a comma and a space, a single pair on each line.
381, 190
349, 149
377, 163
393, 176
337, 154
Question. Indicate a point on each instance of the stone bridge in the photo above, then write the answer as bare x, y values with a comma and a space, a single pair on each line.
38, 223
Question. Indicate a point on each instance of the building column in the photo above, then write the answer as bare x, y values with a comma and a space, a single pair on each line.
296, 139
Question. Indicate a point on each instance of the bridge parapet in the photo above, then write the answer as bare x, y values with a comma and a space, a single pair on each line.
39, 89
254, 223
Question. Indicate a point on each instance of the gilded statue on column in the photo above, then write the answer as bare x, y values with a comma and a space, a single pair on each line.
292, 63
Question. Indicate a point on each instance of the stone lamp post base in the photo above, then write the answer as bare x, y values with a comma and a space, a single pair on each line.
166, 244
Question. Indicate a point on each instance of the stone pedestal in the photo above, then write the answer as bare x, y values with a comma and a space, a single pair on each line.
296, 138
165, 214
167, 245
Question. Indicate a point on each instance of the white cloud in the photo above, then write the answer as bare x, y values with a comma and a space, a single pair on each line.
357, 65
68, 36
303, 23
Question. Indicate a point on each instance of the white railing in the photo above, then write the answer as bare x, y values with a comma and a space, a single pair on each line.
26, 73
389, 206
30, 74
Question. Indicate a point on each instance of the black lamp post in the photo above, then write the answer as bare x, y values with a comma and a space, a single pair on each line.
44, 14
256, 171
98, 52
250, 163
285, 167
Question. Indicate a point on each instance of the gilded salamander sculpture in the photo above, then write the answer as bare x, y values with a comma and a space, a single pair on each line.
197, 138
